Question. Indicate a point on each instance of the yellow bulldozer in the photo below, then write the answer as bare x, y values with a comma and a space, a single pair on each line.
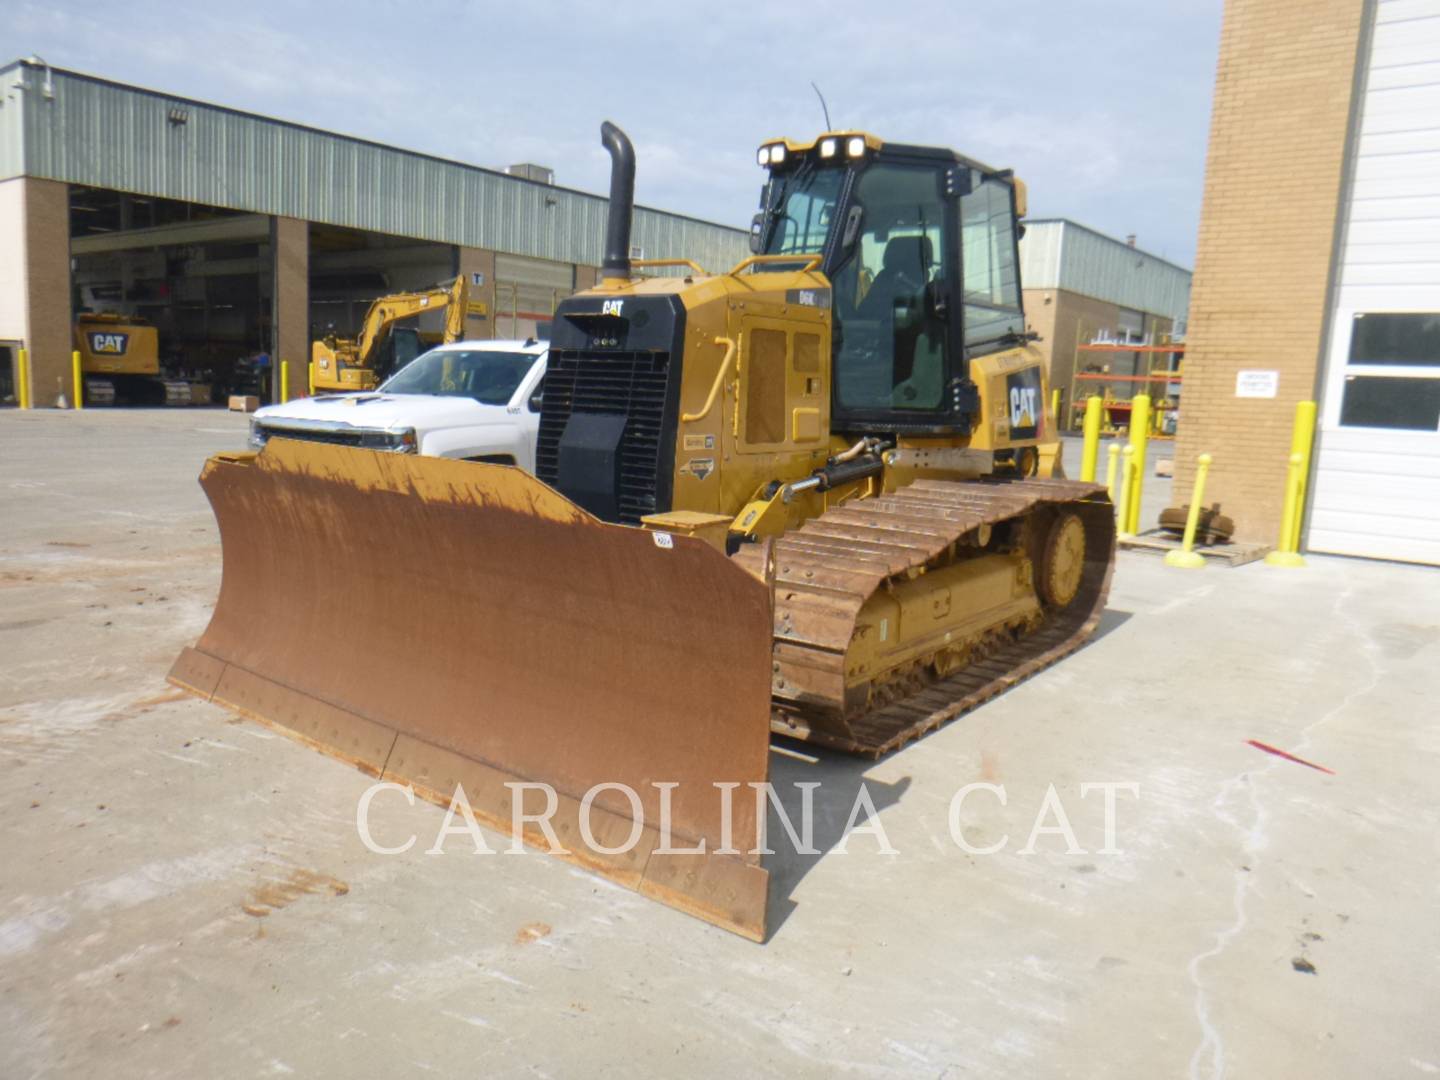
363, 362
816, 496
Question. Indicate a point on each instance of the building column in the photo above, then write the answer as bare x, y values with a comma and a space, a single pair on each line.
480, 322
1268, 225
35, 276
290, 299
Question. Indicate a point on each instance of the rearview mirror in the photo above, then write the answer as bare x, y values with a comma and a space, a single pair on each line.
757, 233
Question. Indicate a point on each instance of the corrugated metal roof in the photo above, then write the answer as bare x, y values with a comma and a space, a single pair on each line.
106, 134
1061, 254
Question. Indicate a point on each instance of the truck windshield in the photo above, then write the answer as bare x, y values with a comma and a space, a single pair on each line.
488, 376
802, 205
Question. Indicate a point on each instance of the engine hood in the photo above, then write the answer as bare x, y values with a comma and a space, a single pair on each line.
385, 412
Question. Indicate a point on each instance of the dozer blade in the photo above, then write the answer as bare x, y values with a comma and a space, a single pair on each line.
437, 622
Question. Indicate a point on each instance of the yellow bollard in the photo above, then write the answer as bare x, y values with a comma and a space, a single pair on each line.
1139, 439
284, 381
1186, 558
79, 379
1301, 439
1127, 485
1287, 552
310, 378
22, 379
1090, 454
1114, 452
1055, 409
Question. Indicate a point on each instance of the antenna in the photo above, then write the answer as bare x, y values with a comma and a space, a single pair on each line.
825, 108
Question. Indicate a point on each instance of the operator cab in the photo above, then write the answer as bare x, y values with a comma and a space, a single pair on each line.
920, 246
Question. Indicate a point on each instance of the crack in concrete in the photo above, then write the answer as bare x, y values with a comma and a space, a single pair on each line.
1212, 1045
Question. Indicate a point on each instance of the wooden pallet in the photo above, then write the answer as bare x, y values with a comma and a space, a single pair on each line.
1159, 541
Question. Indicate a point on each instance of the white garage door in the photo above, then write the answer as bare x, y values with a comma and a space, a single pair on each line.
1377, 479
526, 292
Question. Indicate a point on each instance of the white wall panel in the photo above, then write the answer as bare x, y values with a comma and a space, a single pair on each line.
1376, 491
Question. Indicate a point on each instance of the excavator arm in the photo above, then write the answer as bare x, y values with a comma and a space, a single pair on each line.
455, 314
388, 310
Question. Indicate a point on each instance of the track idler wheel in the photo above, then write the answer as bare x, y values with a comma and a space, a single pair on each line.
1062, 561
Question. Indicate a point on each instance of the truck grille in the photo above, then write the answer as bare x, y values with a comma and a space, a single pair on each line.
634, 385
338, 438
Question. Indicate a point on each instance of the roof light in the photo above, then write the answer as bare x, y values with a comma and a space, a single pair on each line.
855, 147
763, 157
777, 153
828, 148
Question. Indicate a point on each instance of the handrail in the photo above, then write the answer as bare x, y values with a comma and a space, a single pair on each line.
812, 262
729, 343
672, 262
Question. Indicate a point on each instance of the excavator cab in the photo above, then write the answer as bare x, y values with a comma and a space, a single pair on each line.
402, 345
920, 246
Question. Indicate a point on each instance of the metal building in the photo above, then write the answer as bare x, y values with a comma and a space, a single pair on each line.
1081, 286
238, 233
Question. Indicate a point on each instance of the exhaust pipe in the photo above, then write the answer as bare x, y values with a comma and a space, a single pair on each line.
622, 201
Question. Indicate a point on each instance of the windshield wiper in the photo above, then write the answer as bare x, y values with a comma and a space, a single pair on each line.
1010, 337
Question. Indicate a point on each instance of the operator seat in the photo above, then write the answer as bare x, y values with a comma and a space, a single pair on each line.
902, 278
903, 274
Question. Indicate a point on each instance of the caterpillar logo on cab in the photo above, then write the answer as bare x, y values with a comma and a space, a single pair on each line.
1025, 401
110, 344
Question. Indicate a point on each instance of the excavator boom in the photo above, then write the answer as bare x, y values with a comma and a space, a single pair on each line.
355, 364
388, 310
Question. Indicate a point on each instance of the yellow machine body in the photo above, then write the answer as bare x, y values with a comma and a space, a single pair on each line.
111, 344
714, 549
349, 364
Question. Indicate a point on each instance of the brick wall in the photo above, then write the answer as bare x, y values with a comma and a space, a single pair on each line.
47, 290
1267, 226
470, 261
290, 239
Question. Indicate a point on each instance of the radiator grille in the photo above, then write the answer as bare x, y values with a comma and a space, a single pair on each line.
630, 384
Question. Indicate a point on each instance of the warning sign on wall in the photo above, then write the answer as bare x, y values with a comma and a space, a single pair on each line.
1257, 384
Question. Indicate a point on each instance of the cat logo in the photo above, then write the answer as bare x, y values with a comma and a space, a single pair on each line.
1023, 397
1022, 406
612, 307
109, 344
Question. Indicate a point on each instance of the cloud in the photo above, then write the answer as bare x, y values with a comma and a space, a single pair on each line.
1101, 107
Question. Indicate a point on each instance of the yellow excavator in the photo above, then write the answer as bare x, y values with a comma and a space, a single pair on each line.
363, 362
815, 496
120, 362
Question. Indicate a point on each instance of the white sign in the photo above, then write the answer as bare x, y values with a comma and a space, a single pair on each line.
477, 278
1257, 384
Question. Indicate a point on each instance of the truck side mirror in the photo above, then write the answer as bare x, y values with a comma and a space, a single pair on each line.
757, 233
537, 397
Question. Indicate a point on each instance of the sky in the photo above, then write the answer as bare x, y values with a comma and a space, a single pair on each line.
1101, 106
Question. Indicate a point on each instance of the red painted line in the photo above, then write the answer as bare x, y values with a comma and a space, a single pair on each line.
1288, 757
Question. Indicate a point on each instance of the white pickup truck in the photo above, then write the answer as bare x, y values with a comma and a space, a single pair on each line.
474, 400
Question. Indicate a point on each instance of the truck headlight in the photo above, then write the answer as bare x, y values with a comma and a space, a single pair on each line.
402, 441
258, 435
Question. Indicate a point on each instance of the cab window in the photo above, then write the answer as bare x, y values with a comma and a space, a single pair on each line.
891, 341
987, 252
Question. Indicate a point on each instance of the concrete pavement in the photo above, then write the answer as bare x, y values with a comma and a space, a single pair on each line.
182, 893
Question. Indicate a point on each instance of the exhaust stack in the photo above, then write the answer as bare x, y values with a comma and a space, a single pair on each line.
622, 201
